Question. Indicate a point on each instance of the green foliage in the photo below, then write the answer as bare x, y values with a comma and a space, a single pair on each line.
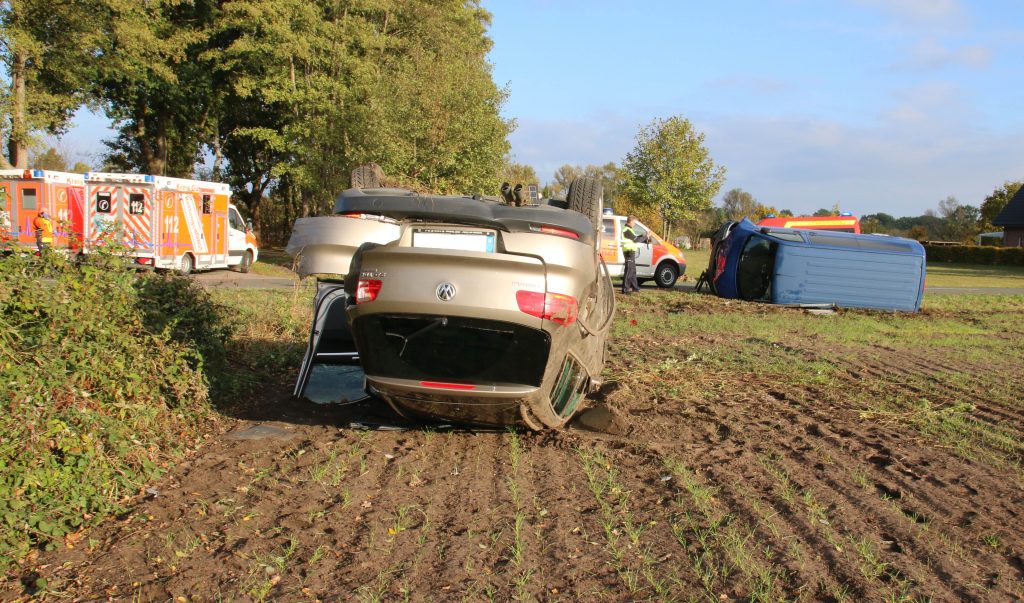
48, 52
972, 254
670, 169
514, 173
51, 159
994, 203
101, 377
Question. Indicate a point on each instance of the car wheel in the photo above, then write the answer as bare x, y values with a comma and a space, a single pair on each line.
666, 276
186, 265
586, 196
246, 263
367, 176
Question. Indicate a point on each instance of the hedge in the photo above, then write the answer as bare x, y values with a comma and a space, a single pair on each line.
972, 254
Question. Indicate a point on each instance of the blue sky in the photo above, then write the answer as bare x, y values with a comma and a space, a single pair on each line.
879, 105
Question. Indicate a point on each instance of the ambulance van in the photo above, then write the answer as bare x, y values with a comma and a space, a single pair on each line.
26, 193
167, 223
656, 259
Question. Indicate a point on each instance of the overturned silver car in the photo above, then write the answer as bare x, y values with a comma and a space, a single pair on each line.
478, 310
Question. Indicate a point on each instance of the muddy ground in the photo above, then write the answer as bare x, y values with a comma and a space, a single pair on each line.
722, 488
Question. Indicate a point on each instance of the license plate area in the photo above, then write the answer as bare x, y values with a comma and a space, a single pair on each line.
459, 240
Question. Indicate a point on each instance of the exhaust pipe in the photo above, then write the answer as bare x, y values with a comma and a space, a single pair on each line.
506, 193
519, 195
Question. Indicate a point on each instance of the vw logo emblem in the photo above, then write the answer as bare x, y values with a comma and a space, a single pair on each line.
445, 291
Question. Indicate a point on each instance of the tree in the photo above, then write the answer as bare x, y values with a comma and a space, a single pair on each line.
738, 204
960, 221
994, 203
563, 176
786, 213
155, 83
671, 171
823, 213
517, 173
51, 159
49, 50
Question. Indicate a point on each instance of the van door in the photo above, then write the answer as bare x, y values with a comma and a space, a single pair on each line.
236, 236
26, 211
644, 251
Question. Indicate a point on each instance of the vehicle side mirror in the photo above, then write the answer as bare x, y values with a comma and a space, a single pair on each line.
248, 225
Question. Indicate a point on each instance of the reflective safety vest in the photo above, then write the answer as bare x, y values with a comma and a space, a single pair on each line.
44, 227
627, 242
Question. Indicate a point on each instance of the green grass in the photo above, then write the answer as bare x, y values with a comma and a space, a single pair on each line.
974, 275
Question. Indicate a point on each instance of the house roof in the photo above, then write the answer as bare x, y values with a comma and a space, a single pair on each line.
1013, 213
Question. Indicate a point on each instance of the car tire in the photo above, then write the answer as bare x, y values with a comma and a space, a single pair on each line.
186, 265
369, 175
586, 195
354, 268
246, 264
666, 275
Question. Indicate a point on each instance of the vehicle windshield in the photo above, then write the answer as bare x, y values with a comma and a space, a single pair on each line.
754, 273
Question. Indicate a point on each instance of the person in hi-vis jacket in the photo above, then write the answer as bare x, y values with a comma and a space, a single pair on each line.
44, 230
629, 242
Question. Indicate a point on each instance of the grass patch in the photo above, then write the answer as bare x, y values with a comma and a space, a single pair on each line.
941, 274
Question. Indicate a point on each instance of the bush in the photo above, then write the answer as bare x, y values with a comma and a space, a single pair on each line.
969, 254
102, 378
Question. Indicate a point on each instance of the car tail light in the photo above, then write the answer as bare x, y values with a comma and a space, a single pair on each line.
551, 230
555, 307
443, 385
367, 290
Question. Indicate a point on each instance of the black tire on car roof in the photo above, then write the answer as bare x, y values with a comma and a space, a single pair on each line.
369, 175
586, 195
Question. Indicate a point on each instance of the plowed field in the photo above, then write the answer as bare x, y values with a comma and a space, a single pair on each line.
737, 452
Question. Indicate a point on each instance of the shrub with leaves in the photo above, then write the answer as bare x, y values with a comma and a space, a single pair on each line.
102, 382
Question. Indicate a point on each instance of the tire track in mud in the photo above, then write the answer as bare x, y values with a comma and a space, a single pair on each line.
866, 451
885, 482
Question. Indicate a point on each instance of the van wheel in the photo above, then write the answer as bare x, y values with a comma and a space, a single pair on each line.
186, 265
369, 175
586, 195
666, 276
246, 264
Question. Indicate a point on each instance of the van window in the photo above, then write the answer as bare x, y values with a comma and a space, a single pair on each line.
235, 220
787, 236
608, 227
639, 229
206, 204
28, 198
754, 273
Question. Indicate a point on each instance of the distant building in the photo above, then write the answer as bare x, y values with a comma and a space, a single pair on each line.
1012, 221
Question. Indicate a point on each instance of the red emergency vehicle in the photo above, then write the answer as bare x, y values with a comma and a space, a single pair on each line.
845, 222
26, 193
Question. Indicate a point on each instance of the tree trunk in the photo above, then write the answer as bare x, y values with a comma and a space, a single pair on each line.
218, 156
17, 150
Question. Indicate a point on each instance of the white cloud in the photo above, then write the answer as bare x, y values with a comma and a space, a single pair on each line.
930, 54
918, 11
912, 157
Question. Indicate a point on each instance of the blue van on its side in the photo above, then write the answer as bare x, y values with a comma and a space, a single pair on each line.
797, 267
